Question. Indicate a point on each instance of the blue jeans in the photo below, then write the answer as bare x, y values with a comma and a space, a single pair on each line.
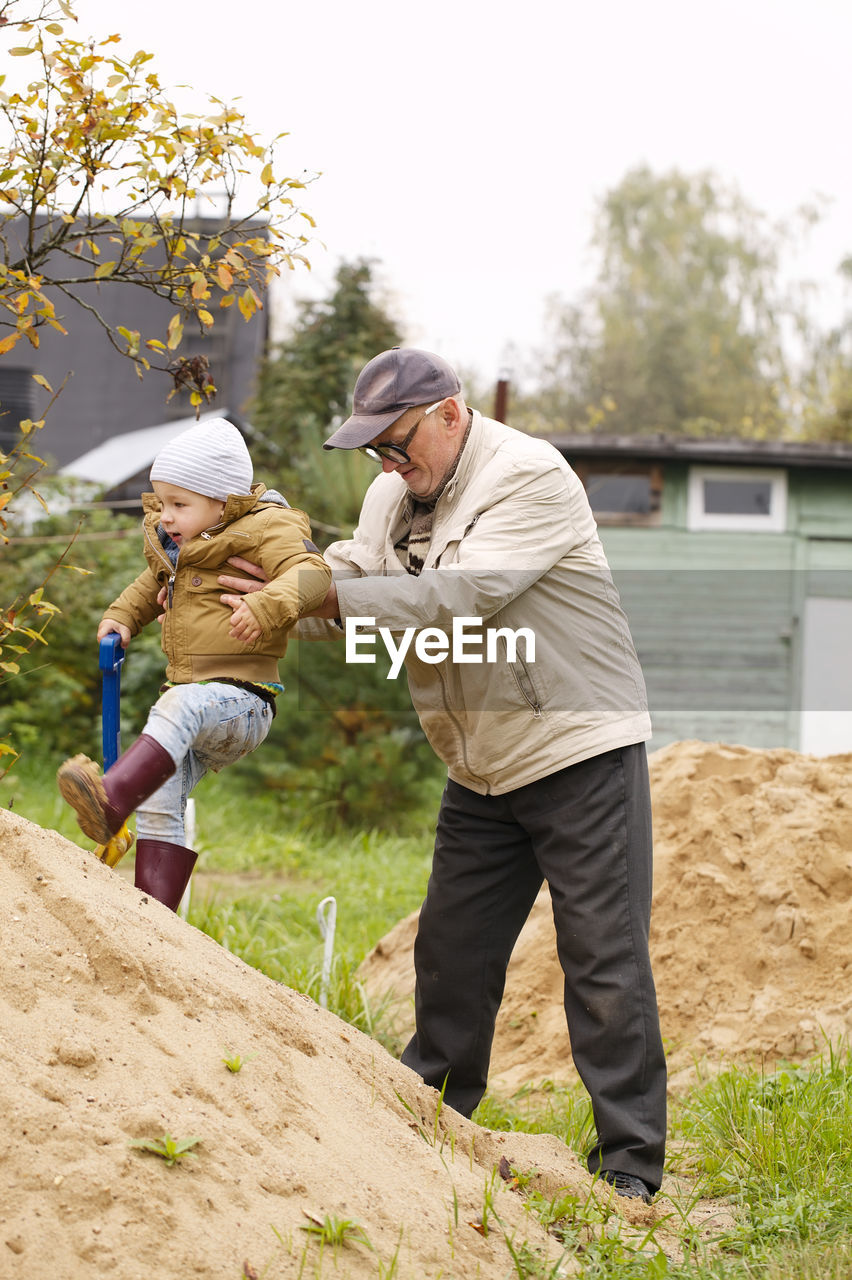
203, 727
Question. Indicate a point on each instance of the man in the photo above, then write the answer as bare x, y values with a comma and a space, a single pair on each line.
543, 736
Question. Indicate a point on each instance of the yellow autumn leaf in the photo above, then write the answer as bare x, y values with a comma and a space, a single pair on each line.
6, 344
42, 381
204, 316
175, 333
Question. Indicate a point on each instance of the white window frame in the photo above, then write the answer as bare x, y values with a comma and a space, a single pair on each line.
775, 521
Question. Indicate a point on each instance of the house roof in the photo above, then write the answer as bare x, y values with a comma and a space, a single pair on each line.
119, 459
737, 452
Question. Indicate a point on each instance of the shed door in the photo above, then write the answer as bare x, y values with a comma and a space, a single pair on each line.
826, 720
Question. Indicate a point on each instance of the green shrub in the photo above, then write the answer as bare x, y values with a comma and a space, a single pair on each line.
54, 702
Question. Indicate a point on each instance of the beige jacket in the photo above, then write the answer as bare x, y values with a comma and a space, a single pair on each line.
195, 628
514, 544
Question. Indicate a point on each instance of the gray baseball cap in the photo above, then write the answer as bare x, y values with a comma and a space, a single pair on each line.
392, 382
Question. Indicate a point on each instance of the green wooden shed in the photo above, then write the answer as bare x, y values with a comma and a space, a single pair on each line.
733, 559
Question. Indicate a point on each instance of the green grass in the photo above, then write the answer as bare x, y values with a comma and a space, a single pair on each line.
772, 1149
549, 1108
778, 1145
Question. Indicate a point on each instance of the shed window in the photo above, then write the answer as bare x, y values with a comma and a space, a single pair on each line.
620, 493
737, 498
628, 496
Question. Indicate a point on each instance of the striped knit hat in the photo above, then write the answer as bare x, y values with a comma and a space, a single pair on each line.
211, 459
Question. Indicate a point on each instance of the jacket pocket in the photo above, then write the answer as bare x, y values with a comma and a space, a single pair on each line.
523, 679
208, 619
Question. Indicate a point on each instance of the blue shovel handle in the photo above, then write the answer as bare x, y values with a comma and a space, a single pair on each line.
110, 657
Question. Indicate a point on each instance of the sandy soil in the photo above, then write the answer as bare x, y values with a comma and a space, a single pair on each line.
116, 1017
751, 937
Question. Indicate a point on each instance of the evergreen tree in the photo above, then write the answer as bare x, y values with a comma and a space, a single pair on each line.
306, 391
353, 750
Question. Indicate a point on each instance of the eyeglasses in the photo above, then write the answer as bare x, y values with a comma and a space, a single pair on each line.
398, 453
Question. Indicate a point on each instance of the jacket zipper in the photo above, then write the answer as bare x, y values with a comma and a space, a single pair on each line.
161, 555
448, 536
207, 534
523, 680
170, 585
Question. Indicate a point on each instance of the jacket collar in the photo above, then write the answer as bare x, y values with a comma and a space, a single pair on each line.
237, 505
470, 460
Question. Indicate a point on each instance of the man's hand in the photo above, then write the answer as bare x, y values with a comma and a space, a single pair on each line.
245, 586
328, 609
243, 622
109, 627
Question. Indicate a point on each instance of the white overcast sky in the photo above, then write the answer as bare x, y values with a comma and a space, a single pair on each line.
464, 144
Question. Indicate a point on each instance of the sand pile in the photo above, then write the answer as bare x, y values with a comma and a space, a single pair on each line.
116, 1016
751, 932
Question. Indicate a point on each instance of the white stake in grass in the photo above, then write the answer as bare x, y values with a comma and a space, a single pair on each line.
327, 921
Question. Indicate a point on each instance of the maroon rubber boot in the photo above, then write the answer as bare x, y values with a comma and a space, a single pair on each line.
103, 803
163, 870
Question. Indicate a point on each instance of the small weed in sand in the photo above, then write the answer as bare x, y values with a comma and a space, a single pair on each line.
518, 1179
436, 1133
167, 1148
234, 1062
335, 1231
389, 1271
483, 1223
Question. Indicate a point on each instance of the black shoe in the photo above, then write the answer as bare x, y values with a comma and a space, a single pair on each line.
627, 1184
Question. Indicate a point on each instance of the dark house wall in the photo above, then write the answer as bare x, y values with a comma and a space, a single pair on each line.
103, 395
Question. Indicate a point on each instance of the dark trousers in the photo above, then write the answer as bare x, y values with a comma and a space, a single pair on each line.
586, 830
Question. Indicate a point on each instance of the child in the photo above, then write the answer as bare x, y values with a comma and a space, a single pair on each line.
222, 675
